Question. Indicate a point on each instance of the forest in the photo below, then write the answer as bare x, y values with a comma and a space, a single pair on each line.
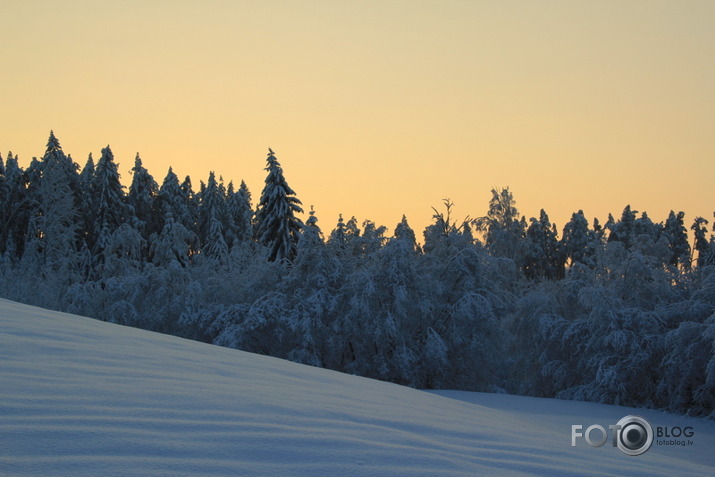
620, 312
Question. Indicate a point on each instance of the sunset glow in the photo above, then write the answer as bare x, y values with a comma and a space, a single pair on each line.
378, 109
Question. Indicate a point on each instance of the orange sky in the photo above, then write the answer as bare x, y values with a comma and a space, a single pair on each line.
378, 108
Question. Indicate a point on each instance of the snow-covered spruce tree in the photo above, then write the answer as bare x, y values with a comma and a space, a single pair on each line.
239, 216
345, 238
33, 176
624, 230
108, 200
338, 238
578, 242
176, 200
190, 202
215, 246
212, 211
15, 212
276, 226
169, 198
404, 232
58, 222
242, 210
543, 255
702, 245
677, 235
48, 255
311, 233
55, 155
142, 198
86, 207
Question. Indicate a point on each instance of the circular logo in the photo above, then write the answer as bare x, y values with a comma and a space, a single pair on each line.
634, 435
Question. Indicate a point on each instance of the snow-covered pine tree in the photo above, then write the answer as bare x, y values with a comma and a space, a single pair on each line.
277, 226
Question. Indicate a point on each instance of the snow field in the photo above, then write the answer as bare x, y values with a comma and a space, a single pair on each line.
84, 397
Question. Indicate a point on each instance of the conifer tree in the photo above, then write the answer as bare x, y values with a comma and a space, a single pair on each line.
337, 238
277, 227
58, 220
702, 245
677, 235
190, 209
577, 240
16, 213
625, 229
168, 197
215, 246
176, 200
142, 199
108, 199
211, 213
240, 214
645, 226
4, 206
543, 257
404, 232
86, 208
311, 230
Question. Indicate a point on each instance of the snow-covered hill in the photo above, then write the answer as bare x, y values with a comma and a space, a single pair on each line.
84, 397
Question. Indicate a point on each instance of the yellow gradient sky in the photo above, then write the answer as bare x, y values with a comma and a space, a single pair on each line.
379, 108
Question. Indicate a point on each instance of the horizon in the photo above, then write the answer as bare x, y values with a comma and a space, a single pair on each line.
196, 182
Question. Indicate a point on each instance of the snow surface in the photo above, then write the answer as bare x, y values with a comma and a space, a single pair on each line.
84, 397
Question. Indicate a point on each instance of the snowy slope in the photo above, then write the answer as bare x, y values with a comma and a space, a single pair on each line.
84, 397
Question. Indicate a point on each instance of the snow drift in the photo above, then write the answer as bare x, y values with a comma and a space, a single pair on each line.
84, 397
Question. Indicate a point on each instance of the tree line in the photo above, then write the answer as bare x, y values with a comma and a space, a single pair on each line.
621, 312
